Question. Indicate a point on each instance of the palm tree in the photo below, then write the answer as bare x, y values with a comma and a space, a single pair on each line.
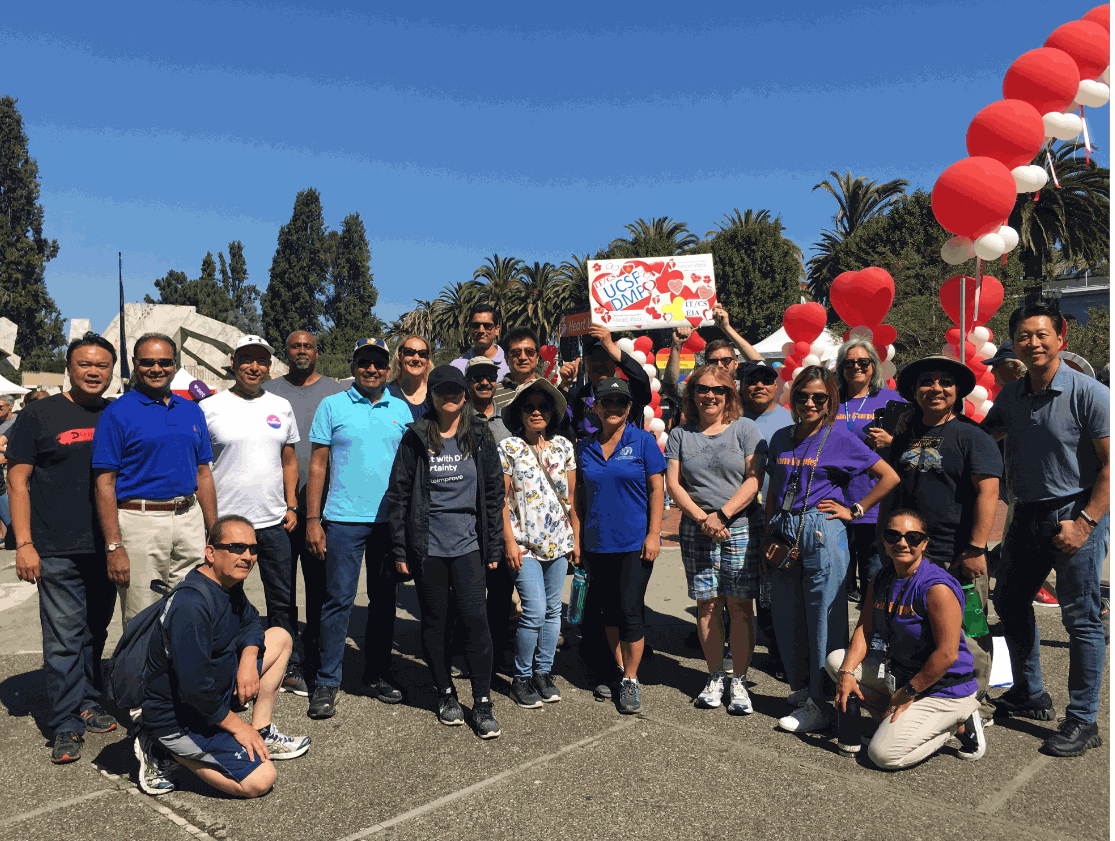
536, 298
746, 220
451, 313
661, 237
1069, 224
571, 284
419, 322
496, 283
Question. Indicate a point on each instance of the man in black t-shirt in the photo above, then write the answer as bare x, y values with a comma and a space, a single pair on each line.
59, 542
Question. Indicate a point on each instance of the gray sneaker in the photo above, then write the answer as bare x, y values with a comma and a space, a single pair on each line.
629, 696
524, 694
449, 711
155, 775
544, 683
484, 720
283, 747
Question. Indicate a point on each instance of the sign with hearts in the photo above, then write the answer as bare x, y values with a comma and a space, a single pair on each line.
651, 292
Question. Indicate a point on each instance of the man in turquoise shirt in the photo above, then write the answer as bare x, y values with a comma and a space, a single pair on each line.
355, 435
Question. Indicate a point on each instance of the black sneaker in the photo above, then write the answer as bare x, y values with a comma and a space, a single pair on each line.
482, 718
524, 694
449, 711
1038, 707
974, 745
544, 683
295, 684
67, 748
97, 720
629, 702
383, 691
1073, 738
607, 688
324, 702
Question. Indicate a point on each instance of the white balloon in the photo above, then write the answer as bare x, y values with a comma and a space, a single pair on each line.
663, 439
979, 336
1038, 176
626, 345
1009, 235
1025, 180
1105, 76
652, 372
861, 332
797, 371
890, 353
887, 369
657, 426
956, 251
655, 385
1092, 94
987, 350
646, 423
638, 356
818, 349
977, 395
787, 349
985, 406
648, 413
990, 246
1062, 126
811, 359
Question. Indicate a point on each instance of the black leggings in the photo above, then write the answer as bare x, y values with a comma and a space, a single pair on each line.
436, 581
621, 580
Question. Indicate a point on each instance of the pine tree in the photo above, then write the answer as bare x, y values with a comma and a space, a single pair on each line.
242, 295
203, 293
352, 295
24, 252
299, 271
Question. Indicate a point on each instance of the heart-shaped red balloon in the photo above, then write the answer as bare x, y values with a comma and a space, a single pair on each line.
804, 322
548, 353
991, 298
863, 297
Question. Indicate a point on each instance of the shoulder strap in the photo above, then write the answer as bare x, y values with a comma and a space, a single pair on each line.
809, 486
548, 478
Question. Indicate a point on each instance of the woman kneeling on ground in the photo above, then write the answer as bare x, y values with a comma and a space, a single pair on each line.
922, 689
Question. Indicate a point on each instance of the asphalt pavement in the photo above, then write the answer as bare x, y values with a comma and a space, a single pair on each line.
572, 770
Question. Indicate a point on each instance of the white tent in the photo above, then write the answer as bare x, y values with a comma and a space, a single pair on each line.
771, 346
8, 387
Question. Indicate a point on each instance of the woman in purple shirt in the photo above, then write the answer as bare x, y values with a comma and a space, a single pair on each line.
923, 687
811, 465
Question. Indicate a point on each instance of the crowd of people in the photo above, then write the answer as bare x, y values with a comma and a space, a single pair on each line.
484, 483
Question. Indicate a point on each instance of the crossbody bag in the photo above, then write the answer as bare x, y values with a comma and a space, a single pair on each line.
776, 552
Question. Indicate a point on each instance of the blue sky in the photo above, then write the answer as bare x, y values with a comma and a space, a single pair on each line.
458, 130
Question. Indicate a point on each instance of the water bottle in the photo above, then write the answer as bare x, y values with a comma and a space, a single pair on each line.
764, 593
577, 596
848, 728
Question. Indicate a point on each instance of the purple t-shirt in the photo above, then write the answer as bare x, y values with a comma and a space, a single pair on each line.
909, 635
843, 457
862, 412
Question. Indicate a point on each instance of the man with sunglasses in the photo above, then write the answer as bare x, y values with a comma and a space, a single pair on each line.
355, 436
154, 490
484, 332
482, 377
603, 358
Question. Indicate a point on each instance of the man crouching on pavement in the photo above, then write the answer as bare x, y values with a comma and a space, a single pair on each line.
210, 649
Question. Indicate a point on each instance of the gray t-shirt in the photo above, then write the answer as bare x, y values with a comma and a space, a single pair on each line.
769, 422
712, 467
304, 400
495, 423
452, 502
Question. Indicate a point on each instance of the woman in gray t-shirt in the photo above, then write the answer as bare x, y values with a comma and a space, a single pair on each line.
714, 466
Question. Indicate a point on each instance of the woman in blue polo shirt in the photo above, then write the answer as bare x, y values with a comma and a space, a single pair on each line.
619, 486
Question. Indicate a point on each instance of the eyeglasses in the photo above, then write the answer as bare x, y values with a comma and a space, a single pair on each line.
818, 400
912, 538
238, 548
928, 380
862, 364
148, 362
477, 377
718, 390
528, 352
543, 408
762, 378
482, 325
379, 363
614, 402
408, 352
722, 360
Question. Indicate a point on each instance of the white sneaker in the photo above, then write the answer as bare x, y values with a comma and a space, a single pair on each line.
713, 692
283, 747
806, 719
972, 739
797, 698
741, 701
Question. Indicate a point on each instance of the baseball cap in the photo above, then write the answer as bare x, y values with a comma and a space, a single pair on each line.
612, 385
478, 362
375, 344
1005, 352
253, 341
445, 375
745, 369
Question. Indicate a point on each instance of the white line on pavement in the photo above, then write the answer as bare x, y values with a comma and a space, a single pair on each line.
50, 807
999, 799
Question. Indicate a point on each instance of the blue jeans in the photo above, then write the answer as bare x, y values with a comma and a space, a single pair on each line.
76, 601
345, 545
5, 511
808, 601
276, 571
1028, 557
539, 584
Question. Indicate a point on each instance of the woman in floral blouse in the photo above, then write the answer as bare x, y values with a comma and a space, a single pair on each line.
538, 532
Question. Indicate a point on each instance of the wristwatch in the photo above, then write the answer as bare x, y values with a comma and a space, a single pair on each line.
982, 550
909, 690
857, 511
112, 547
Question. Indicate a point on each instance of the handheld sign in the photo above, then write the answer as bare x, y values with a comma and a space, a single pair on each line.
652, 292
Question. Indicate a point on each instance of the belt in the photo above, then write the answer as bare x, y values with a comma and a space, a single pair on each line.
1056, 502
178, 505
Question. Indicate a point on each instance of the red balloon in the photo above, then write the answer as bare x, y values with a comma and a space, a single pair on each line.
864, 297
1086, 42
969, 409
802, 349
1046, 78
657, 411
645, 344
991, 298
974, 197
883, 335
952, 335
1010, 131
694, 344
804, 322
786, 373
655, 399
548, 353
1100, 15
891, 384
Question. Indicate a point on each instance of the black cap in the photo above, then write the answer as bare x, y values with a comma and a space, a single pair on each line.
443, 375
746, 369
1005, 352
612, 385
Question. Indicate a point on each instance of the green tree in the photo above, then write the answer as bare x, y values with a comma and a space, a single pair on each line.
24, 251
299, 273
497, 283
450, 316
242, 295
418, 321
660, 237
203, 293
539, 299
572, 283
350, 305
1093, 340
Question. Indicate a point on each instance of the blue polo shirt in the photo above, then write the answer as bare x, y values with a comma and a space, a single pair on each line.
1049, 447
616, 490
362, 437
154, 447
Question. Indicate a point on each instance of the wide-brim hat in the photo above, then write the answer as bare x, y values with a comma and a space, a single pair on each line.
908, 377
512, 409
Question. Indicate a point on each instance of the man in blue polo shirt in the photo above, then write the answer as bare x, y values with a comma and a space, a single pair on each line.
355, 435
1057, 425
154, 492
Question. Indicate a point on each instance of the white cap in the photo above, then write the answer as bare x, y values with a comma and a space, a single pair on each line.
249, 341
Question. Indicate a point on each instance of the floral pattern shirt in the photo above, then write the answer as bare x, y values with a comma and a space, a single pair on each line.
538, 520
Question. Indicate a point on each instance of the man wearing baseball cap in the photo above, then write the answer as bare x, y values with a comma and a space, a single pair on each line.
355, 435
482, 376
253, 433
1005, 365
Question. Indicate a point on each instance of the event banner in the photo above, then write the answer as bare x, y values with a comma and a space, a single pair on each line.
652, 292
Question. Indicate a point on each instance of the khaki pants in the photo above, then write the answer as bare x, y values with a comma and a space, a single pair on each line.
921, 729
160, 545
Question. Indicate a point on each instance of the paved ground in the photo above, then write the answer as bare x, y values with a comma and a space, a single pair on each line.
571, 770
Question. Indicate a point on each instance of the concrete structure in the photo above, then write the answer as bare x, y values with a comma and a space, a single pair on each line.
204, 344
78, 328
8, 332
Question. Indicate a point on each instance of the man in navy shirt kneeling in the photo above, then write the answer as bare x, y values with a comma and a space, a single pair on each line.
209, 649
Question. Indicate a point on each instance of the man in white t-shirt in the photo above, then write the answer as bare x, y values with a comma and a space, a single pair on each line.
255, 472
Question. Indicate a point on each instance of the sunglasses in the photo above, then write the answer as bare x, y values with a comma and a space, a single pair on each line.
763, 378
482, 325
862, 364
408, 352
377, 362
818, 400
148, 362
477, 377
722, 360
238, 548
543, 408
927, 381
912, 538
718, 390
614, 402
528, 352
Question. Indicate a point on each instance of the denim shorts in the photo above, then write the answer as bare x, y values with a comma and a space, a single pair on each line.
726, 568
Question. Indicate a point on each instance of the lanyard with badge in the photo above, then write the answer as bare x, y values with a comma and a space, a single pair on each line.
884, 669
